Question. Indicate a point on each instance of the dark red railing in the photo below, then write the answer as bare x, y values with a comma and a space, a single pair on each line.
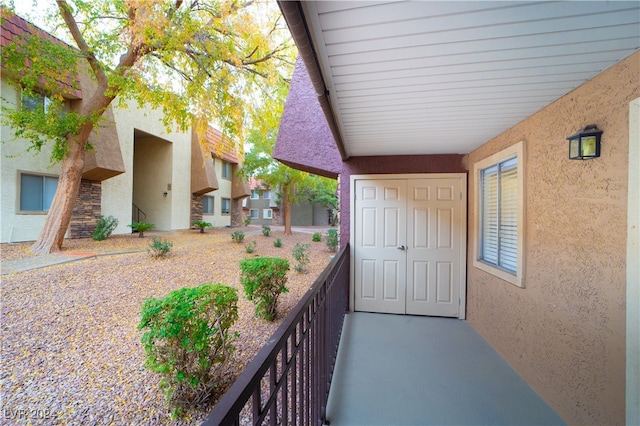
287, 383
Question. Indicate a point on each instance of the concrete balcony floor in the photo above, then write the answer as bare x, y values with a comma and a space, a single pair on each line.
409, 370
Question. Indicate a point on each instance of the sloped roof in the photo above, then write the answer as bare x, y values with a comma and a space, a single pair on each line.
221, 147
16, 30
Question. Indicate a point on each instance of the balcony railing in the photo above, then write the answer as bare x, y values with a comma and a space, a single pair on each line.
288, 381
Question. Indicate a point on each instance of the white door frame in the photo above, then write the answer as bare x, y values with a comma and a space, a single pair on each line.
463, 224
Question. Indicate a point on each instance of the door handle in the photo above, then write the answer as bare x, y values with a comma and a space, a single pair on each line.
402, 247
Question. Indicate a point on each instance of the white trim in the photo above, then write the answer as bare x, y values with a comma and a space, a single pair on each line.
633, 268
514, 150
463, 224
267, 216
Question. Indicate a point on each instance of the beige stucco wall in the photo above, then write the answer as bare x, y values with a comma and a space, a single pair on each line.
224, 191
16, 226
166, 162
565, 331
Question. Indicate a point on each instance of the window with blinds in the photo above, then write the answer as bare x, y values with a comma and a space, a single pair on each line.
499, 214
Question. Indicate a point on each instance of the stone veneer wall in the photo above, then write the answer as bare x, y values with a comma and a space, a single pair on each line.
86, 210
196, 207
236, 212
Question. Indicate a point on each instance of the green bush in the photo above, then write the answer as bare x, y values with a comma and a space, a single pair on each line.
277, 243
159, 247
266, 230
246, 221
104, 228
251, 247
332, 239
264, 279
301, 256
201, 224
317, 237
237, 236
141, 227
187, 340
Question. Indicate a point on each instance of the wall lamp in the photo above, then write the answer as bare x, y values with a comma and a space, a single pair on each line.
585, 144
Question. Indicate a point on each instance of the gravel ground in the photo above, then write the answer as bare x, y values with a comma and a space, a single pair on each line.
71, 351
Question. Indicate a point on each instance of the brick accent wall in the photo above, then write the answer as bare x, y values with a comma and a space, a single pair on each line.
86, 210
196, 207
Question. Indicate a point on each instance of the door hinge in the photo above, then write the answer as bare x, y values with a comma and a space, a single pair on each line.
461, 196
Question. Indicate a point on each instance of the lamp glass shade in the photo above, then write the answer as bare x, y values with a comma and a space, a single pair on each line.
574, 148
588, 146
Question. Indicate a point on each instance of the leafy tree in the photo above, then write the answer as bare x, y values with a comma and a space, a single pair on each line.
199, 61
293, 185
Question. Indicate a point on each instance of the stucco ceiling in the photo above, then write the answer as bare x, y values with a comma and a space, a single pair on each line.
432, 77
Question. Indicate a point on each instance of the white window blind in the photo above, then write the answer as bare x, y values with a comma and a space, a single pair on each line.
499, 215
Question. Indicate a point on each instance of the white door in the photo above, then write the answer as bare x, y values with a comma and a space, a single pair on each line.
409, 242
381, 271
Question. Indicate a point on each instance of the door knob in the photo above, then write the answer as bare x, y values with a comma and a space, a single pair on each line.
402, 248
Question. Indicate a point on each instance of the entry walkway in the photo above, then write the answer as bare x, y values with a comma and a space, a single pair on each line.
408, 370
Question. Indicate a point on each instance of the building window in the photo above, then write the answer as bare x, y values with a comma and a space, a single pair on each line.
207, 204
267, 214
253, 213
226, 170
225, 207
267, 195
36, 192
254, 194
34, 101
499, 215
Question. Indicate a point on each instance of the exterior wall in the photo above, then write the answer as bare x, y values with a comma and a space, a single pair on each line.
564, 333
217, 219
153, 172
304, 140
87, 209
259, 204
14, 158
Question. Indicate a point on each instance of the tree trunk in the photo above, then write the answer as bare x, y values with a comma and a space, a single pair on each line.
59, 215
287, 203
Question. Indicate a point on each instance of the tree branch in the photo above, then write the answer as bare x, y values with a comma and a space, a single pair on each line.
95, 65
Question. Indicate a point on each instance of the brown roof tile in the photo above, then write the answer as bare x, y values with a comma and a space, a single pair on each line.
15, 29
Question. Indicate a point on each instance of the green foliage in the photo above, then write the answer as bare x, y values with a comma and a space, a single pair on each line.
332, 239
264, 279
237, 237
251, 247
159, 248
301, 255
141, 227
246, 221
317, 237
277, 243
104, 228
201, 224
266, 230
187, 340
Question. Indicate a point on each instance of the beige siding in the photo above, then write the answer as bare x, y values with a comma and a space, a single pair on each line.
565, 331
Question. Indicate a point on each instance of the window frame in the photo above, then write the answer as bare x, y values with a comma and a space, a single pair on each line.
252, 216
264, 214
254, 192
43, 177
213, 204
518, 151
222, 203
266, 195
